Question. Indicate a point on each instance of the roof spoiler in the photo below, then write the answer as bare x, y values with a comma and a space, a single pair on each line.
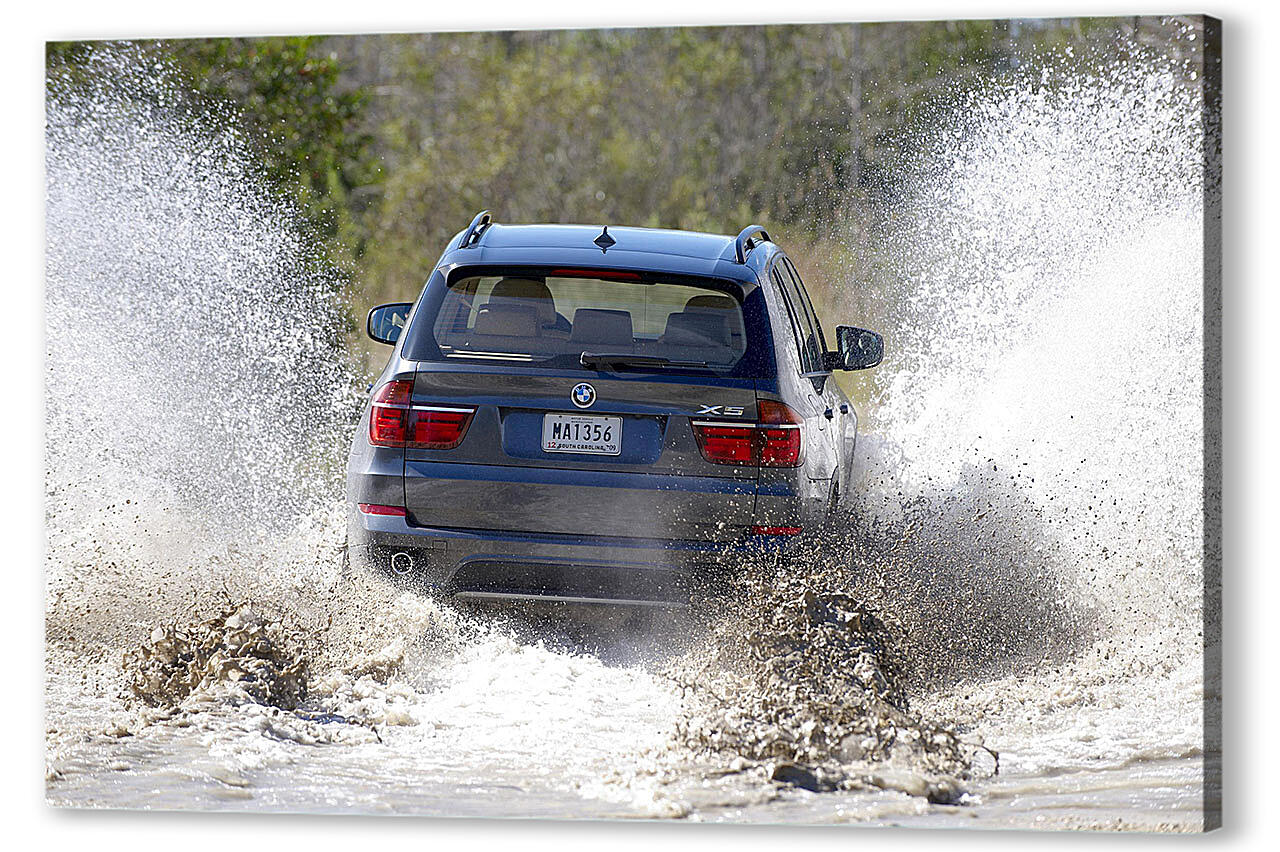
746, 241
472, 234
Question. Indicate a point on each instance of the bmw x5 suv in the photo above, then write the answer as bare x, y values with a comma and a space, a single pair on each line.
589, 414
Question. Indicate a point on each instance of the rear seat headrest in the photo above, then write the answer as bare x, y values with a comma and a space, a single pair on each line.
509, 320
696, 328
526, 291
595, 325
711, 302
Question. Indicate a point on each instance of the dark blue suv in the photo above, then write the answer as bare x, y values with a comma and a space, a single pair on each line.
592, 414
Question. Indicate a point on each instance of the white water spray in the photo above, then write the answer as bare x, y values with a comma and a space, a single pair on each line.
1048, 328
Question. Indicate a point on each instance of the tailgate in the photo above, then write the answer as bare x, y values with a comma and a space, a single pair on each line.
511, 471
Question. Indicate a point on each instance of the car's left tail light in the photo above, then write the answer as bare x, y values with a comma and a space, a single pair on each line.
394, 421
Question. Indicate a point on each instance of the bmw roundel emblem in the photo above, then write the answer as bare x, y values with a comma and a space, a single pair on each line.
583, 395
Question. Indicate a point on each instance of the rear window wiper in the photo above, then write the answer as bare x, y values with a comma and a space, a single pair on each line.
612, 360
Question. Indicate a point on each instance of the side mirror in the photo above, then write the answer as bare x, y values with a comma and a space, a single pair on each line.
858, 349
386, 322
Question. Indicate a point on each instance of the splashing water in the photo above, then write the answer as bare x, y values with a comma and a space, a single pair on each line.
198, 416
193, 338
1028, 526
1050, 324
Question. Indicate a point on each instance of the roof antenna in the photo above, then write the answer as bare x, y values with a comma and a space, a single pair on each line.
605, 241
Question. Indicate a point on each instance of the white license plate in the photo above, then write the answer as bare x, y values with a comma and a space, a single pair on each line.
582, 433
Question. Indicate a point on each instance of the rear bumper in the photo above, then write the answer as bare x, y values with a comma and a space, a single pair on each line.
494, 564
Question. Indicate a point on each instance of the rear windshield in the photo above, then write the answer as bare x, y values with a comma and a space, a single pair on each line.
552, 321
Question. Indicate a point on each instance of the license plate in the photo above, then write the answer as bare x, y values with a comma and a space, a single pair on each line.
582, 433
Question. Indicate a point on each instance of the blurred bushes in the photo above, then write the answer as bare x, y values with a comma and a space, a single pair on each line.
391, 143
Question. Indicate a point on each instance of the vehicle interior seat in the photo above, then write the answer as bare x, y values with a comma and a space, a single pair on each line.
697, 335
696, 328
506, 320
611, 329
712, 302
536, 293
728, 308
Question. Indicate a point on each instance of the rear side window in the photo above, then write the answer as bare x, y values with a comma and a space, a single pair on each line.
808, 305
552, 320
804, 321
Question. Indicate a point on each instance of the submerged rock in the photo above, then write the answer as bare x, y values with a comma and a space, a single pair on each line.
798, 776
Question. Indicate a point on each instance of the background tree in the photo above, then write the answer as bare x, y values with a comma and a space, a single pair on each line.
391, 143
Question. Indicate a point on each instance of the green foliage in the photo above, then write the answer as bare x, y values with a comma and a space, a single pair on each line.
303, 121
391, 143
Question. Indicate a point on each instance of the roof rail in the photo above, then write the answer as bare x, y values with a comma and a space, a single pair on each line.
746, 241
477, 226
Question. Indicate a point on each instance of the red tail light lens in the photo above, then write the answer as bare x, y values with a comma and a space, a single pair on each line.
724, 444
779, 435
395, 422
437, 427
389, 416
774, 441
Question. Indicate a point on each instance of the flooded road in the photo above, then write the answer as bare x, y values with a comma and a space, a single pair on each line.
512, 729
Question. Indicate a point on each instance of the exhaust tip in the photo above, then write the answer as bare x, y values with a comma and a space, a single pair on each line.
401, 563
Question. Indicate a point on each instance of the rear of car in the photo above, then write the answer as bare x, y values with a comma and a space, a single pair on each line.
580, 424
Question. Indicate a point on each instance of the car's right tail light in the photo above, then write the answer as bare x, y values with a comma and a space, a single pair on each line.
394, 421
779, 430
774, 440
